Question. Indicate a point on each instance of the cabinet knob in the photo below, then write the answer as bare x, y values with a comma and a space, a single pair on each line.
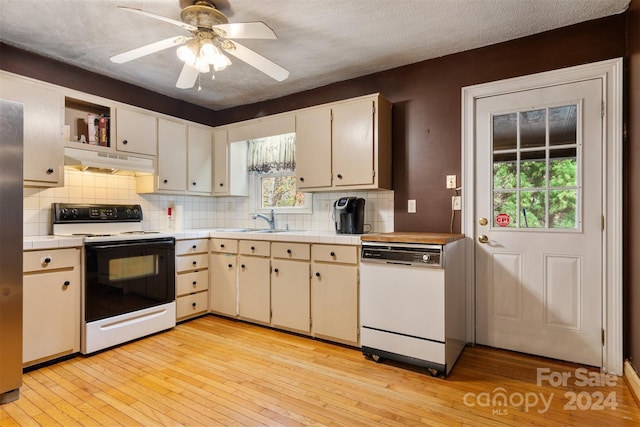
46, 260
66, 283
222, 246
317, 274
289, 251
195, 262
333, 254
276, 270
49, 171
230, 265
221, 184
193, 183
194, 283
194, 246
165, 181
339, 176
125, 142
193, 305
302, 179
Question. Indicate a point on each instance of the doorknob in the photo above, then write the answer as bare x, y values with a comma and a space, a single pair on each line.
483, 221
483, 238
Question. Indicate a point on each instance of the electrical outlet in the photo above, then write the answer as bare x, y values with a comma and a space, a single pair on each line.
411, 206
456, 203
451, 182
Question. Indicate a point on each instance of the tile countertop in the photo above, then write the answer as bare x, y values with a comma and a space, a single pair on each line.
53, 242
413, 237
50, 242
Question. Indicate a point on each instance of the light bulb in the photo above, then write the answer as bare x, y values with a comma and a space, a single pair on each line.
208, 50
188, 52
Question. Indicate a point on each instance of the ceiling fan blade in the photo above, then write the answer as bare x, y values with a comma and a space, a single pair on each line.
256, 60
148, 49
187, 78
246, 30
160, 17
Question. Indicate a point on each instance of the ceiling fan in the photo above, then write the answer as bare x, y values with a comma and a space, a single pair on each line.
211, 35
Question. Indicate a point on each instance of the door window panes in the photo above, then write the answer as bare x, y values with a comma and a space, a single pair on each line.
536, 169
533, 127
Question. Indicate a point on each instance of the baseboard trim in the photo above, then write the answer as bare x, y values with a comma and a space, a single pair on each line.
633, 381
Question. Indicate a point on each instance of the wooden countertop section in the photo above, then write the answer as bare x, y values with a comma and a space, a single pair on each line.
412, 237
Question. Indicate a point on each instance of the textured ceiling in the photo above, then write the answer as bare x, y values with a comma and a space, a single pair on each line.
319, 41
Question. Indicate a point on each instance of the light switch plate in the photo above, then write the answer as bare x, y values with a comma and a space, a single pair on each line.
411, 206
451, 182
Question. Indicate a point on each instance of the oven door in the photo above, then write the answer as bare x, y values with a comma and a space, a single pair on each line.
127, 276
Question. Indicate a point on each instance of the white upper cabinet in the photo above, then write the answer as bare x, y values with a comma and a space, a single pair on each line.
230, 176
172, 156
344, 145
136, 132
199, 159
43, 112
313, 148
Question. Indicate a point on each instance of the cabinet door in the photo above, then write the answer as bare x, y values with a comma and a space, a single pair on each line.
136, 132
51, 317
313, 148
172, 155
334, 302
43, 112
200, 160
290, 295
220, 159
253, 289
353, 144
223, 286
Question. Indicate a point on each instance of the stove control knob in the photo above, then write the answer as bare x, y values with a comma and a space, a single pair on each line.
426, 258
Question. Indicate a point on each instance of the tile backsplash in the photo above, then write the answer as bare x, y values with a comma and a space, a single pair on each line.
197, 212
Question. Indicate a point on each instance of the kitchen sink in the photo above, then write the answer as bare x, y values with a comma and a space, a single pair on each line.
250, 230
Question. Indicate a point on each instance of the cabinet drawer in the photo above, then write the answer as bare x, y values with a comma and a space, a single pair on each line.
254, 247
192, 262
191, 305
229, 246
195, 281
290, 250
50, 259
334, 253
195, 246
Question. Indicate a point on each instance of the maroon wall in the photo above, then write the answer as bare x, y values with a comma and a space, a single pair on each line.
426, 101
632, 191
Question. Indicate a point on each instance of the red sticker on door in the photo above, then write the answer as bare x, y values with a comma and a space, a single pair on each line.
503, 220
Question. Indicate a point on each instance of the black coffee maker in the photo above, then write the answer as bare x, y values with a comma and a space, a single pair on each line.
348, 214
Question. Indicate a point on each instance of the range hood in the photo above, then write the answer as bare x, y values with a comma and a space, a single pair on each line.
112, 163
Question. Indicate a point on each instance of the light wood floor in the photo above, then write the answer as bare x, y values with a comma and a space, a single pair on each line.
215, 371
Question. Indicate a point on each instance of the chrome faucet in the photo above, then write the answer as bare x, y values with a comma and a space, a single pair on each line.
270, 220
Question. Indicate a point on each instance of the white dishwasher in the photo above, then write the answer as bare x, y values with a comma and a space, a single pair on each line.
412, 303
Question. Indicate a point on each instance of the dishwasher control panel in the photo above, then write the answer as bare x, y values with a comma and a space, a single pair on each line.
412, 254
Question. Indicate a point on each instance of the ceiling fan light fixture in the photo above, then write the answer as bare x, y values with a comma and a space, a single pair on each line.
213, 55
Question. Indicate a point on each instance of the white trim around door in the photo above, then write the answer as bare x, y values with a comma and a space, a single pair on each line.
610, 72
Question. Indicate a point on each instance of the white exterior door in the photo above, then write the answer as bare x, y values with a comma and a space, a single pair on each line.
539, 221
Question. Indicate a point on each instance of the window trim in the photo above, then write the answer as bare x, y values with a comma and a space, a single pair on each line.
256, 192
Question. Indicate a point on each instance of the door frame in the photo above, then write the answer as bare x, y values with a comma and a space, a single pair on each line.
611, 73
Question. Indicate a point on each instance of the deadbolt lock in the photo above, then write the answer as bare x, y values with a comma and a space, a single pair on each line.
483, 221
483, 238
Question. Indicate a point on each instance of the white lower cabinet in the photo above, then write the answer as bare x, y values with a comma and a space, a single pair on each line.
223, 291
290, 306
254, 302
192, 278
51, 304
334, 293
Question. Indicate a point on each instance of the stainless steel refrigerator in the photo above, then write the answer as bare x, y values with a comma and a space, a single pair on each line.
11, 154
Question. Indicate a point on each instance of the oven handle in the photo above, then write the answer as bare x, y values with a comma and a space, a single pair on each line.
130, 244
